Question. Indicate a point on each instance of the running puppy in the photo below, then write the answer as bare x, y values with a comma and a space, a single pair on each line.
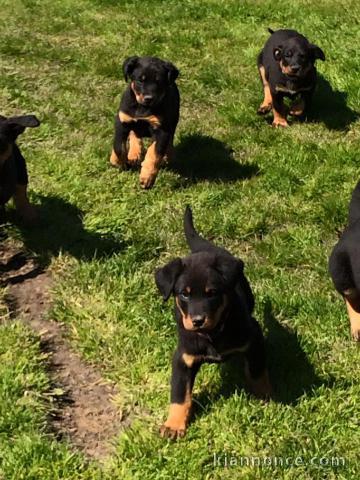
213, 311
286, 67
344, 264
149, 107
13, 172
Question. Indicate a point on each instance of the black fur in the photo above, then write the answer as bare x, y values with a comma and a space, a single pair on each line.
344, 262
294, 52
152, 92
210, 289
13, 170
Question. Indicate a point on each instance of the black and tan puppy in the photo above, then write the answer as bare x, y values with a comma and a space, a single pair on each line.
213, 310
286, 67
344, 264
13, 172
149, 107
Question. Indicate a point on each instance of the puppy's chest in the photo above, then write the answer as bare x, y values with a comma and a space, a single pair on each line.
291, 88
210, 350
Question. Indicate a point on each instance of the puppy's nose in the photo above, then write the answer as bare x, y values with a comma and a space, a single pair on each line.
198, 320
295, 69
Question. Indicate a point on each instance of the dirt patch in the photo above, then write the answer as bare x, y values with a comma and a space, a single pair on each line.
85, 413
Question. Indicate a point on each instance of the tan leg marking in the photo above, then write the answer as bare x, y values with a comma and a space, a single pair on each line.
125, 118
150, 167
135, 148
189, 360
279, 119
23, 206
297, 108
267, 102
353, 308
116, 161
176, 423
261, 386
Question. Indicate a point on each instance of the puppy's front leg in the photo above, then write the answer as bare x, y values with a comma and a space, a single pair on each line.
24, 208
279, 110
182, 382
154, 157
118, 155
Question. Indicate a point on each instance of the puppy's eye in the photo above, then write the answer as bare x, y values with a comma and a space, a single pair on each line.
289, 53
184, 295
212, 292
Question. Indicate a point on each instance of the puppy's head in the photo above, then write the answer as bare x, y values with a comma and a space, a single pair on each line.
10, 129
296, 56
150, 78
202, 285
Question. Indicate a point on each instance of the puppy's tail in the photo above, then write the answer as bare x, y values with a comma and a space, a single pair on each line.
194, 240
271, 31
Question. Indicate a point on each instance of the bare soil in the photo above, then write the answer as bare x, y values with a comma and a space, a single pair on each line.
85, 413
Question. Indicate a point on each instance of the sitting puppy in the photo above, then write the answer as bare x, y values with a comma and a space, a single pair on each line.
213, 310
286, 67
149, 107
344, 264
13, 173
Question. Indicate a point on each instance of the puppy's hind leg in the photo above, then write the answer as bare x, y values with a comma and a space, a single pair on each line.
266, 104
256, 373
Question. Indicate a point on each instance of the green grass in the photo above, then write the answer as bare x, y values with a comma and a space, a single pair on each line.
274, 198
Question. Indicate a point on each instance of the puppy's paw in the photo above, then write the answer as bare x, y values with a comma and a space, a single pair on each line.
355, 333
134, 155
147, 176
117, 162
280, 122
264, 108
173, 432
297, 108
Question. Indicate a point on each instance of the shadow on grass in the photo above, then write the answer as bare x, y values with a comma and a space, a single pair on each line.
198, 157
60, 230
291, 373
330, 107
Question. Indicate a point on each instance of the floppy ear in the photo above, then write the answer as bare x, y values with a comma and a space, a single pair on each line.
16, 125
317, 52
230, 269
165, 277
172, 72
277, 53
24, 121
128, 66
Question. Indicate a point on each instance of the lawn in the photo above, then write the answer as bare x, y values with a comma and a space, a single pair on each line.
275, 198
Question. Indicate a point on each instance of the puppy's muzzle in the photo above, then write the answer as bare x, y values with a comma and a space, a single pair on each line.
198, 320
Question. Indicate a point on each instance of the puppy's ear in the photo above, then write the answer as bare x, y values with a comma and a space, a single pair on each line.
129, 66
277, 53
172, 72
16, 125
229, 268
317, 52
166, 277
